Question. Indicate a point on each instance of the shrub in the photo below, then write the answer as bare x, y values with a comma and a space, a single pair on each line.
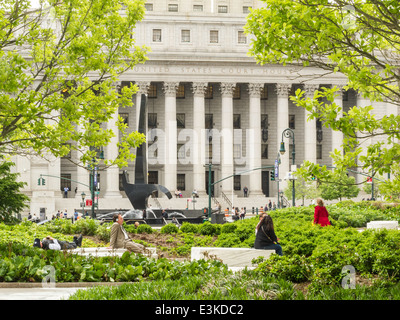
209, 229
189, 228
144, 228
228, 228
170, 228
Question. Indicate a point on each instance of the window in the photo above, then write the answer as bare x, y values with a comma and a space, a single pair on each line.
209, 92
292, 121
185, 35
181, 151
236, 121
222, 9
237, 151
152, 92
236, 92
180, 181
180, 92
242, 39
264, 121
246, 9
198, 8
148, 6
180, 120
210, 151
156, 35
125, 117
264, 93
319, 151
213, 36
209, 121
152, 120
264, 151
236, 183
173, 8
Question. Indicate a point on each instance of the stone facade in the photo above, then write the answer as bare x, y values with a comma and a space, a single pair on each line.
208, 101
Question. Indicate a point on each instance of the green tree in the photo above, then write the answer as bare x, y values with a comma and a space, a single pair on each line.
341, 186
356, 38
12, 201
59, 65
304, 189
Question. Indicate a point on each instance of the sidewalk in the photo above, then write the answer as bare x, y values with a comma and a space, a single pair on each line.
35, 291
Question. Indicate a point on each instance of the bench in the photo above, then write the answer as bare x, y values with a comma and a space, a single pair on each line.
234, 258
105, 252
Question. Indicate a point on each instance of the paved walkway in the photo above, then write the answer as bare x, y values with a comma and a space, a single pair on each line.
35, 291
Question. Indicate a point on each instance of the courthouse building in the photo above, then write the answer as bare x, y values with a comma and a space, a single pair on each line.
208, 101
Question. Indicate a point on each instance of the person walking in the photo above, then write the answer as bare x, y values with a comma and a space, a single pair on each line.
321, 215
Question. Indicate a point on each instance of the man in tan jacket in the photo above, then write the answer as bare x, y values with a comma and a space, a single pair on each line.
120, 239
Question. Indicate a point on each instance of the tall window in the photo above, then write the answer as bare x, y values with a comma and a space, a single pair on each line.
236, 121
180, 181
152, 92
152, 120
292, 121
156, 35
209, 92
185, 35
180, 120
242, 39
180, 92
213, 36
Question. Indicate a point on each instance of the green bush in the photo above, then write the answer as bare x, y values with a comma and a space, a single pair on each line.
170, 228
144, 228
228, 228
209, 229
188, 227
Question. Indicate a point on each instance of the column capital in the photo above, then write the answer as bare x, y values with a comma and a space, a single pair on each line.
143, 87
255, 89
199, 88
340, 86
283, 89
170, 88
310, 88
227, 88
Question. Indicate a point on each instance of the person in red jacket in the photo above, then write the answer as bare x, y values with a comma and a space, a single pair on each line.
321, 214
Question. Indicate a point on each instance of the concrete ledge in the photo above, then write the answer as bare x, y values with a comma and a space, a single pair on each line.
388, 224
105, 252
232, 257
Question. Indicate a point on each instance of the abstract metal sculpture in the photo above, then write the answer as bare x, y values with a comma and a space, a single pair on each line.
139, 192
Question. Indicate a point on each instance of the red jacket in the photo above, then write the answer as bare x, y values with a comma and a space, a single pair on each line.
321, 216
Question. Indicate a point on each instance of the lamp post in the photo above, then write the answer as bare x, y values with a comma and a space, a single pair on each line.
289, 133
83, 195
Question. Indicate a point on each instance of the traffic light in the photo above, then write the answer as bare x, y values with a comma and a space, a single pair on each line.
272, 175
43, 181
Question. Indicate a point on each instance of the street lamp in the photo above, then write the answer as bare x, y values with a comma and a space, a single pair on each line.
289, 133
83, 195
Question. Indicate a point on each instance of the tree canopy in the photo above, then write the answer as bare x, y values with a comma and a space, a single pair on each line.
60, 62
357, 38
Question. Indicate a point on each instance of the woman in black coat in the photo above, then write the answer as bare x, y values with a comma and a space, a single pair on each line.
265, 235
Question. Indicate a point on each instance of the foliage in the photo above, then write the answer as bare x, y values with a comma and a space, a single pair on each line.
64, 58
169, 228
341, 186
12, 201
356, 39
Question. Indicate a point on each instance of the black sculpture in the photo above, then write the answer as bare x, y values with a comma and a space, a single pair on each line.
139, 192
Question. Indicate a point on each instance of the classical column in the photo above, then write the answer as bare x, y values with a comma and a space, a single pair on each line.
365, 143
253, 138
170, 127
282, 90
337, 136
198, 138
226, 154
112, 173
82, 173
310, 128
